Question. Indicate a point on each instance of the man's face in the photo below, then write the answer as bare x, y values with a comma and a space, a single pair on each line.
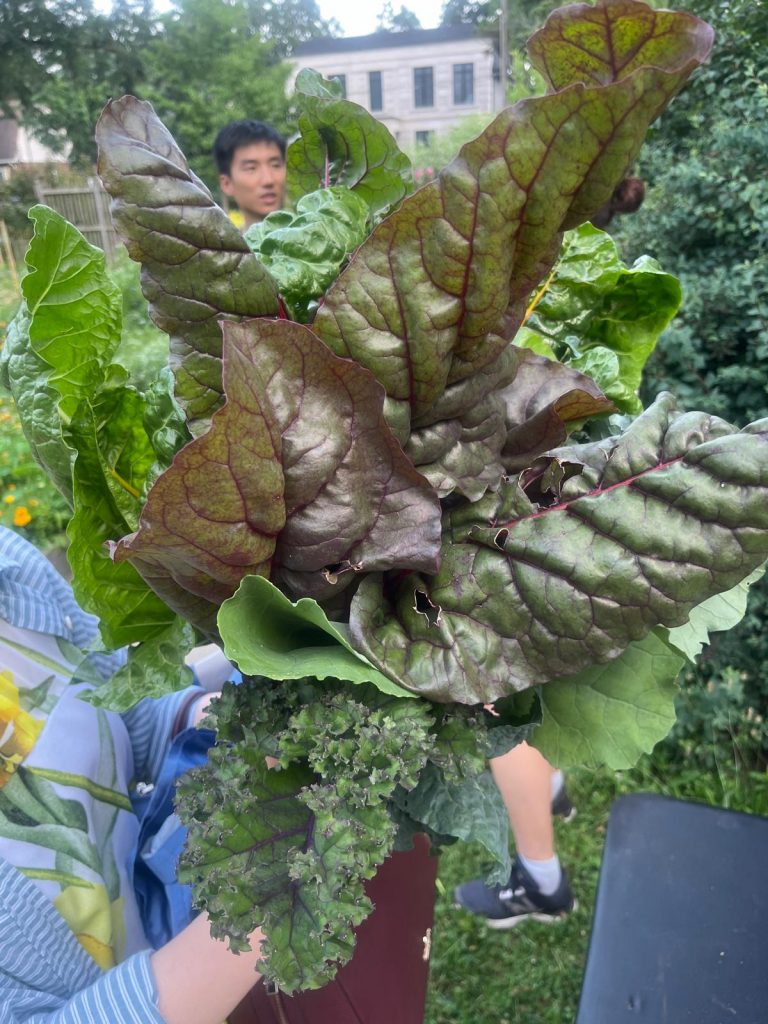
256, 180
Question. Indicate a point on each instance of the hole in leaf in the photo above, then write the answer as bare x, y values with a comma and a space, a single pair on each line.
335, 569
501, 539
425, 607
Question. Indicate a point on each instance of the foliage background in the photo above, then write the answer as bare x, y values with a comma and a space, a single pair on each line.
705, 218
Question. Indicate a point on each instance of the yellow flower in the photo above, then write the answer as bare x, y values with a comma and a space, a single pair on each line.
9, 499
18, 729
21, 516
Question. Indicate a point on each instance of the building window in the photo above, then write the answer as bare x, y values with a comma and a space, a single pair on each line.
423, 138
342, 80
423, 91
463, 83
374, 90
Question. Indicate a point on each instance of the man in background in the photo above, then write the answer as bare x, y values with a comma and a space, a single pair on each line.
250, 156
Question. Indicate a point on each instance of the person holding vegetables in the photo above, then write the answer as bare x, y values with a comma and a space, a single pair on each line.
74, 945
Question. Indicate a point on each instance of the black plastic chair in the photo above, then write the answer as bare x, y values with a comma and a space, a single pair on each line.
681, 918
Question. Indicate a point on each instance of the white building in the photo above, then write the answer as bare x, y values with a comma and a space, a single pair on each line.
418, 82
18, 148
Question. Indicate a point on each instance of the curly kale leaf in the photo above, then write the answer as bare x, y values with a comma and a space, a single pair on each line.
288, 850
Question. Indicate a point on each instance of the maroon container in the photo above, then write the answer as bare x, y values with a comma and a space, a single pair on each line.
385, 982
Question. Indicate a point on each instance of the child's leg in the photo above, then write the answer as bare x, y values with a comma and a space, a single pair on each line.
524, 780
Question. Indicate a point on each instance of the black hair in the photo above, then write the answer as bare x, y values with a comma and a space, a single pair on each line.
242, 133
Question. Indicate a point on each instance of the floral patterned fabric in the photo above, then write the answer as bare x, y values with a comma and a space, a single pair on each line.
66, 820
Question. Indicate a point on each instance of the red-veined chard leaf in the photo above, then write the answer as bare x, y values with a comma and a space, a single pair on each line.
340, 143
196, 267
439, 288
298, 477
542, 405
644, 527
600, 317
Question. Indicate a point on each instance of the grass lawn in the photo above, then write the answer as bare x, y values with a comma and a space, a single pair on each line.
532, 974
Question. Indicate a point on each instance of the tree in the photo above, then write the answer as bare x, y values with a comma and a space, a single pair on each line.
103, 58
404, 21
209, 65
34, 35
202, 64
286, 23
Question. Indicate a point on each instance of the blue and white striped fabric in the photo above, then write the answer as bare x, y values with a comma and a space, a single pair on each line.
46, 977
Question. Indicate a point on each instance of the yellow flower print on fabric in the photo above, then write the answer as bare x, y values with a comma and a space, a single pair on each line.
18, 729
98, 924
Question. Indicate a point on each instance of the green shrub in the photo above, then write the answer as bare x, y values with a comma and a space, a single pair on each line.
705, 219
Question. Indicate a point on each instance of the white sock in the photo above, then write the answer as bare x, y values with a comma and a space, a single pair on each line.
555, 783
545, 873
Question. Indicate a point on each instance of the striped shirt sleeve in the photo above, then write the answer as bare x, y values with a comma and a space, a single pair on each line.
46, 977
127, 993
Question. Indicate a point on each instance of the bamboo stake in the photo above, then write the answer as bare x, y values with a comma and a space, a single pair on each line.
6, 243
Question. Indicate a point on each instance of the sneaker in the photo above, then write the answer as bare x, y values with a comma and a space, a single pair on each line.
504, 906
562, 807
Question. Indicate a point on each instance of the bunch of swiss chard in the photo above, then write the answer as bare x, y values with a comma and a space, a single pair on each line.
355, 474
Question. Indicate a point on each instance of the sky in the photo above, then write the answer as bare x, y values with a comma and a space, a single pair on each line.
358, 17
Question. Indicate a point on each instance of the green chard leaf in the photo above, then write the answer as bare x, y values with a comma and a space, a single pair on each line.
440, 287
471, 809
298, 477
340, 143
154, 669
611, 714
305, 250
266, 634
164, 423
83, 420
600, 317
513, 720
196, 267
106, 503
653, 521
61, 340
723, 611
